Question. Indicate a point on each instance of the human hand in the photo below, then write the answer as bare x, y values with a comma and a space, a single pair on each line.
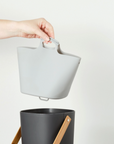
37, 28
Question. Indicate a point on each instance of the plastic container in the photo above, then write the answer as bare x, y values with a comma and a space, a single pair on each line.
41, 126
46, 72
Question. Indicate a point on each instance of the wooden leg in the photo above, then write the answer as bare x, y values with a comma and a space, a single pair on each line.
17, 137
62, 130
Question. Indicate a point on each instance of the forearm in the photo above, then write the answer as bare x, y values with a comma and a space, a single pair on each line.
8, 29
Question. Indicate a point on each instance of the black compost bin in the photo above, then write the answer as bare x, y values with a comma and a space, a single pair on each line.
41, 126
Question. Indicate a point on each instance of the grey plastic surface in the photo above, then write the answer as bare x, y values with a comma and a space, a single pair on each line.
41, 126
46, 72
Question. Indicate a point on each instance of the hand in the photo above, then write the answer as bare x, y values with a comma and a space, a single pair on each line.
37, 28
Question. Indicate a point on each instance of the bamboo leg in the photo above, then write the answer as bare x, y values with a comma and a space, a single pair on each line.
62, 130
17, 137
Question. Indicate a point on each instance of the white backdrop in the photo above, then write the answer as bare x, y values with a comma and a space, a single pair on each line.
83, 28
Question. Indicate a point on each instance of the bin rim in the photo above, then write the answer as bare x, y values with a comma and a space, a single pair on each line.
47, 111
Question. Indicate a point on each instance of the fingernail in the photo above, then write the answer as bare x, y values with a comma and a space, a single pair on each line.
47, 38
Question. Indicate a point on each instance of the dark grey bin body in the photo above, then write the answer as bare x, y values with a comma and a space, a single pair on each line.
41, 126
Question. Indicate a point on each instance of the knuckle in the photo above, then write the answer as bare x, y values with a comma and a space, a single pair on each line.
43, 19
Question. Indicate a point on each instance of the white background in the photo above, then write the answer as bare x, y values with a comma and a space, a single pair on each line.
84, 28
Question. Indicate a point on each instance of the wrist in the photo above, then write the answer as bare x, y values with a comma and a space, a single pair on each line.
14, 28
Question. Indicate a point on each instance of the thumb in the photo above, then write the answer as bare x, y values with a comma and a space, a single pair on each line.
43, 35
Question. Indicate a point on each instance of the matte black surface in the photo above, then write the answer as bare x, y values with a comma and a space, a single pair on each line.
40, 126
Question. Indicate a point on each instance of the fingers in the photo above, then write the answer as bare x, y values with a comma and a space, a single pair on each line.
48, 29
49, 32
30, 35
42, 34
